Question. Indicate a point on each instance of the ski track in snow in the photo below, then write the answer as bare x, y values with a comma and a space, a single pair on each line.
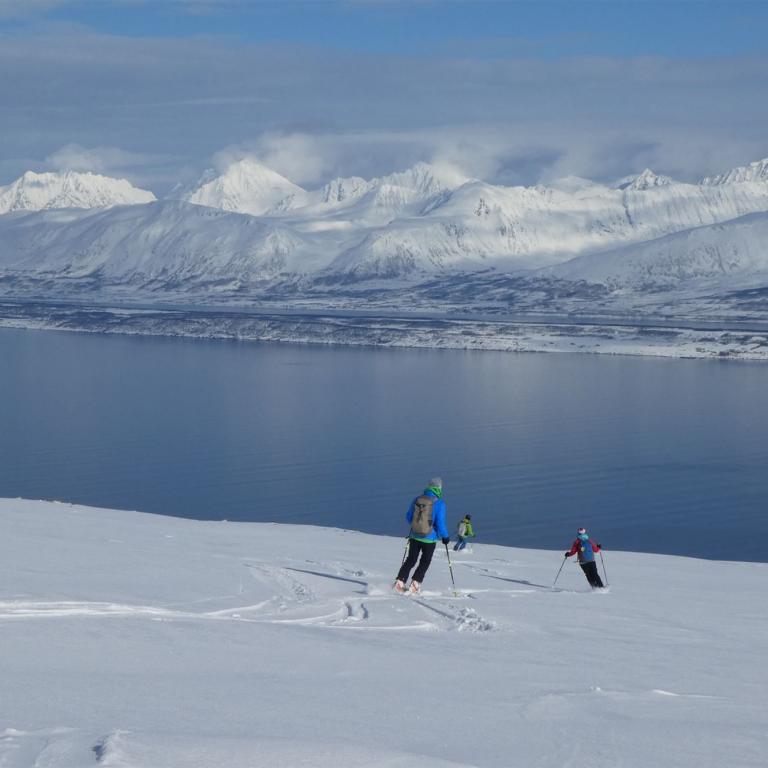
320, 594
122, 748
299, 597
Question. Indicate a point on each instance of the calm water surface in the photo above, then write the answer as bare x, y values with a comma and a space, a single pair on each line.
651, 454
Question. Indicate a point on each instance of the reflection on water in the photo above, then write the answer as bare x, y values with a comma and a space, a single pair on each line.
651, 454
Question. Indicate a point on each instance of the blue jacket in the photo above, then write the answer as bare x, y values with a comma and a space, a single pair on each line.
439, 528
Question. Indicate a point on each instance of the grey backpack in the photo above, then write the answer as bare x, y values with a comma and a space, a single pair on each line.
422, 522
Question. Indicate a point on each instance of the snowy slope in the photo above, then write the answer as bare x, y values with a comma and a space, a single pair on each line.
139, 641
246, 186
754, 172
166, 243
727, 253
40, 191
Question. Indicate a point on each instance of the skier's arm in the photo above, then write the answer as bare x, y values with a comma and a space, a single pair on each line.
595, 547
409, 513
470, 530
574, 548
440, 526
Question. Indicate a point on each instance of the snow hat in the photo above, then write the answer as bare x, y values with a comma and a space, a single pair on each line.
436, 482
582, 533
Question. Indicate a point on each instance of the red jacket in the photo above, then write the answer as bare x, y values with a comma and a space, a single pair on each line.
576, 548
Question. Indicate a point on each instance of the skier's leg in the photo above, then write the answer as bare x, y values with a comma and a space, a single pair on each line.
585, 568
427, 550
413, 554
596, 582
457, 545
590, 569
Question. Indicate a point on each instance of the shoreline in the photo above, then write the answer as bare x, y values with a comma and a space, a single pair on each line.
491, 334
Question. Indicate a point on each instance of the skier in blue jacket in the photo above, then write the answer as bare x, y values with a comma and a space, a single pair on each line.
426, 516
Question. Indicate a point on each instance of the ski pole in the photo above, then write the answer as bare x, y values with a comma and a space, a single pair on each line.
558, 572
450, 568
604, 571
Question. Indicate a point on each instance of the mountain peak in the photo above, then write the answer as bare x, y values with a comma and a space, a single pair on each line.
391, 194
427, 178
246, 186
645, 180
34, 191
341, 189
757, 171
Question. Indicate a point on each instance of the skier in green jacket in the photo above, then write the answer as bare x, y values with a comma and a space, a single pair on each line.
464, 532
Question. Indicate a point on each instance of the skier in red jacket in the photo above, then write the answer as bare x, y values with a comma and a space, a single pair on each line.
586, 549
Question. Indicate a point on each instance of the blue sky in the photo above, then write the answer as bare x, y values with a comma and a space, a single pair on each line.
553, 28
512, 91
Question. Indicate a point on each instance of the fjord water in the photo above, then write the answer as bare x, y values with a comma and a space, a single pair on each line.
651, 454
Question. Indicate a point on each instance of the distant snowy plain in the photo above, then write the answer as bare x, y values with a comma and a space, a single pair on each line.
703, 340
137, 641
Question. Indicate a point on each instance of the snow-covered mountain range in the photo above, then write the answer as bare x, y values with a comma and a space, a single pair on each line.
250, 230
40, 191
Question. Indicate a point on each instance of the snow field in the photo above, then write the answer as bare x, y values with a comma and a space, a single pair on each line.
134, 640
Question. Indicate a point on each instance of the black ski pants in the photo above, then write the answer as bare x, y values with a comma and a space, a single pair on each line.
416, 548
590, 571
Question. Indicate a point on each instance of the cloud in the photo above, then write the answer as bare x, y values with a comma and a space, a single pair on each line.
311, 113
296, 155
73, 157
300, 157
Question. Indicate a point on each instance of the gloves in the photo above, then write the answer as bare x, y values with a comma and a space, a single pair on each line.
599, 546
567, 554
446, 540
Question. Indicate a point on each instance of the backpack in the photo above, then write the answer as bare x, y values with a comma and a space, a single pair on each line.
586, 553
462, 528
422, 521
